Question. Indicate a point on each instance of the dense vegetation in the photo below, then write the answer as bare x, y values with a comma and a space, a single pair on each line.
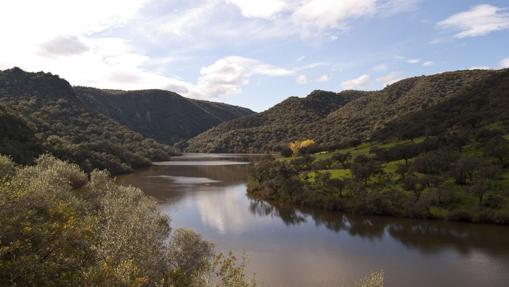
39, 112
62, 227
269, 130
459, 175
335, 120
162, 115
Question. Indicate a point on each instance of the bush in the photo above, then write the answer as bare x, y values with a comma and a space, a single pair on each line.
60, 228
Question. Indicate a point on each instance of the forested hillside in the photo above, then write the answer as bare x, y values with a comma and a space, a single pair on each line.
293, 119
349, 117
162, 115
41, 113
445, 156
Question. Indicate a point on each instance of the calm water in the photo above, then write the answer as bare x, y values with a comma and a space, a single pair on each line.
294, 248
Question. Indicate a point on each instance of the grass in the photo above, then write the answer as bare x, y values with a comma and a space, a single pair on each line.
335, 173
392, 166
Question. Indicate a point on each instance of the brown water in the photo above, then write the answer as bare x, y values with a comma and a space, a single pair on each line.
294, 248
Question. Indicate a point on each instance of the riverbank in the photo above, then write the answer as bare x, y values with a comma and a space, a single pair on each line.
416, 179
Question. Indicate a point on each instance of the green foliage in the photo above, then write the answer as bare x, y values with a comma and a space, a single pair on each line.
438, 179
50, 118
411, 108
162, 115
63, 228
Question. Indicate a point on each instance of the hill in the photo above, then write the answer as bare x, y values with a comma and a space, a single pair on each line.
348, 117
290, 120
162, 115
17, 138
41, 109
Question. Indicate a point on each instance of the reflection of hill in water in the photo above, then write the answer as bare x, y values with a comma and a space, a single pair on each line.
425, 236
161, 181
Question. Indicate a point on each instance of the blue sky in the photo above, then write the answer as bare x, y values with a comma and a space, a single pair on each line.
251, 53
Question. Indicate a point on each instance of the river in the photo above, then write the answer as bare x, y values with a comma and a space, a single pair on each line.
207, 193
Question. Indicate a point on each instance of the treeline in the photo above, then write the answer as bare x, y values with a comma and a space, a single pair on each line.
62, 227
456, 176
39, 113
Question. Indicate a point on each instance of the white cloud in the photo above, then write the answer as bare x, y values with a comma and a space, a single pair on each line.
331, 14
357, 83
323, 78
259, 9
392, 7
504, 63
301, 80
63, 46
480, 68
43, 20
58, 36
413, 61
478, 21
227, 76
390, 78
428, 63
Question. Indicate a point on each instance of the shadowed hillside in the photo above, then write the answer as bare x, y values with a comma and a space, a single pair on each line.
54, 117
292, 119
162, 115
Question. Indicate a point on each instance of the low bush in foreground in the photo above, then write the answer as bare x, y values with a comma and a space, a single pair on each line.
62, 227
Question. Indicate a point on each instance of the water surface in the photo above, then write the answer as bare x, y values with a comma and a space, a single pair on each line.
308, 248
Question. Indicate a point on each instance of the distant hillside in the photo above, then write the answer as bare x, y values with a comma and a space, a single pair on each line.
162, 115
17, 139
352, 116
290, 120
42, 110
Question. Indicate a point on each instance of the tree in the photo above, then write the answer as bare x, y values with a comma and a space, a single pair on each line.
480, 189
363, 168
62, 227
413, 184
342, 158
298, 146
286, 152
465, 168
498, 148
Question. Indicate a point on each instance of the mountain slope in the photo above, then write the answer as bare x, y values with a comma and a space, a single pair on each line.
162, 115
17, 139
290, 120
64, 126
359, 116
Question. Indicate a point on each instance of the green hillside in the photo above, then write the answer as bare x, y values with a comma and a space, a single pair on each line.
345, 118
162, 115
41, 111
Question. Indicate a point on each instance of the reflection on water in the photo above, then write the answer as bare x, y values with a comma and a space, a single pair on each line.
288, 247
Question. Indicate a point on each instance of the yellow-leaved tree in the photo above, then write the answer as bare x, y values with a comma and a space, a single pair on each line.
297, 146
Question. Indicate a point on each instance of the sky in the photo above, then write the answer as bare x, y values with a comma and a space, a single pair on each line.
252, 53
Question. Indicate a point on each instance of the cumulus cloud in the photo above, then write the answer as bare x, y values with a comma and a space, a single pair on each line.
504, 63
63, 46
65, 28
227, 76
323, 78
390, 78
301, 80
316, 17
413, 61
259, 9
428, 63
357, 83
479, 20
330, 14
